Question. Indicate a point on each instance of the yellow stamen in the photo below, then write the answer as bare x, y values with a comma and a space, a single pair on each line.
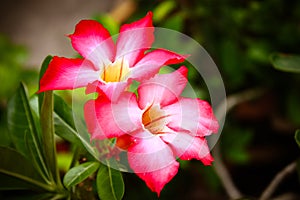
116, 72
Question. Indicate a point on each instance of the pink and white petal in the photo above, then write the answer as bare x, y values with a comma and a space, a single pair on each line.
163, 89
112, 90
67, 73
188, 147
152, 160
134, 39
93, 42
156, 180
105, 119
193, 115
151, 63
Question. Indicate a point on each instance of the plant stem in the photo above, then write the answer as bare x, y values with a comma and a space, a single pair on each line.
267, 193
220, 168
224, 175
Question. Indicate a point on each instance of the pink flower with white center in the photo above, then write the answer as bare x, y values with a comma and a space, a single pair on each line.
110, 66
155, 127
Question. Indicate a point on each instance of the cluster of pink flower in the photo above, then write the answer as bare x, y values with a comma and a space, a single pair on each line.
155, 125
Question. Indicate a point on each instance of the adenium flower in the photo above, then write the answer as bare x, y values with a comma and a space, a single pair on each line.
155, 127
107, 65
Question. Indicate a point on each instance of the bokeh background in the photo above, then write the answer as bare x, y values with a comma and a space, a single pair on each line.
242, 37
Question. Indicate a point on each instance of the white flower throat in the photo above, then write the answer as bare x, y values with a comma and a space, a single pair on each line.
154, 119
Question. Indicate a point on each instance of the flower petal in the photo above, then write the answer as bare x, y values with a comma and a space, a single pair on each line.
93, 42
163, 88
67, 73
153, 161
134, 39
150, 64
112, 90
188, 147
193, 115
105, 119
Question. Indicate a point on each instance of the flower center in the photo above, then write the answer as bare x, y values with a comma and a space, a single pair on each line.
116, 72
154, 119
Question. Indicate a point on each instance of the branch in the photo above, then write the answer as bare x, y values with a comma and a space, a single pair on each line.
219, 165
224, 175
267, 193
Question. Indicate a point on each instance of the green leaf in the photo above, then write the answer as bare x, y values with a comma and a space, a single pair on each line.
45, 66
48, 141
17, 172
284, 62
110, 185
31, 195
63, 121
297, 137
63, 118
23, 130
65, 128
42, 72
79, 173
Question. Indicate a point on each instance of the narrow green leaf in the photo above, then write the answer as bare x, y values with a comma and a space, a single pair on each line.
17, 172
79, 173
64, 122
61, 108
20, 119
32, 195
284, 62
42, 72
297, 137
65, 127
45, 66
27, 195
48, 141
110, 184
21, 124
63, 119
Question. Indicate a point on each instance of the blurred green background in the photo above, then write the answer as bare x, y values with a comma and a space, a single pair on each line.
241, 36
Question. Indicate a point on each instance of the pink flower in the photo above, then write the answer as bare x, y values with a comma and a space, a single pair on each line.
110, 66
155, 127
